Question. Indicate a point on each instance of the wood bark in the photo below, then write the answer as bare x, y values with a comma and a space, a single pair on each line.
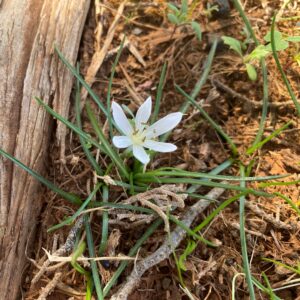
29, 67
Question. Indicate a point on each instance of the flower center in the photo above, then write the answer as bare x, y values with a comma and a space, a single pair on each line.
137, 138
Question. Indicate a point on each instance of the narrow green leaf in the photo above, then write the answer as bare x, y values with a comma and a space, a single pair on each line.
191, 246
278, 263
95, 273
206, 183
71, 219
289, 201
267, 139
210, 120
105, 218
106, 145
169, 171
246, 263
293, 39
285, 80
191, 232
70, 197
83, 143
184, 6
70, 125
197, 28
212, 215
82, 81
112, 75
159, 92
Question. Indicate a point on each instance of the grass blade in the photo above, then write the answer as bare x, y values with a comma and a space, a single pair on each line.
82, 81
204, 76
71, 126
205, 183
112, 75
278, 64
289, 201
222, 206
104, 235
168, 171
86, 150
243, 239
108, 148
70, 197
94, 266
267, 139
71, 219
265, 103
159, 92
131, 253
210, 120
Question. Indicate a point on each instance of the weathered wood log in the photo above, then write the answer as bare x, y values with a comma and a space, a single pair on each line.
28, 68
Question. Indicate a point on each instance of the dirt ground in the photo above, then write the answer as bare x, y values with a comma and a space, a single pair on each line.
234, 102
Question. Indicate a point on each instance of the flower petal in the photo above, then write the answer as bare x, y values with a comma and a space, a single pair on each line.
159, 146
164, 125
140, 154
143, 114
122, 141
121, 120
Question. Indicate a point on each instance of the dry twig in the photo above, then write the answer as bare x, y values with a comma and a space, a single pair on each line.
165, 197
48, 289
67, 247
254, 104
270, 218
170, 243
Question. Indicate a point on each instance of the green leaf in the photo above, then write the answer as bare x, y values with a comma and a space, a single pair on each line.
187, 251
280, 42
174, 9
173, 19
252, 74
293, 39
279, 45
277, 36
184, 7
258, 53
233, 44
197, 28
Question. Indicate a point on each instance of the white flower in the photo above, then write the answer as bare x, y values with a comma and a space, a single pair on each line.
139, 135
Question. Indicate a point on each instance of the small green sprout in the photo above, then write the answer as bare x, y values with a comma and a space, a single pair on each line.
259, 52
181, 17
